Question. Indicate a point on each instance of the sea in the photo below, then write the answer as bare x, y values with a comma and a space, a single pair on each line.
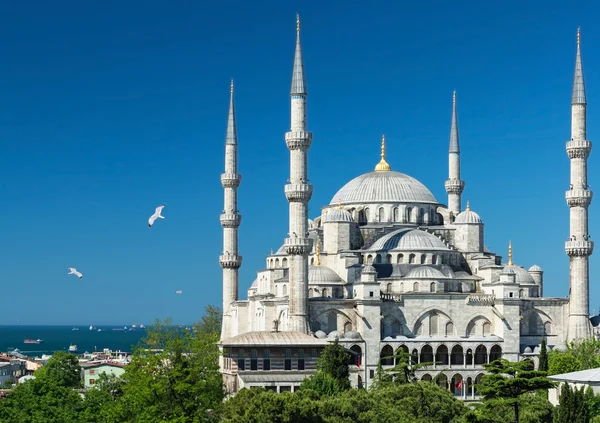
59, 338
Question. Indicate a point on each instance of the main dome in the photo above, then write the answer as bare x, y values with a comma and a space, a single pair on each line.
383, 187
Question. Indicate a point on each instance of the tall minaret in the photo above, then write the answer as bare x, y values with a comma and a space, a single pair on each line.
230, 261
454, 186
579, 197
298, 193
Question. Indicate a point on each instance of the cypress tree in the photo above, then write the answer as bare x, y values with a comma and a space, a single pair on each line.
543, 362
565, 406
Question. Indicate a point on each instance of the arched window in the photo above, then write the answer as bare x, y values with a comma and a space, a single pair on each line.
284, 262
377, 259
480, 355
347, 327
396, 214
401, 286
387, 356
389, 287
400, 258
426, 354
366, 211
388, 258
357, 355
434, 259
421, 214
433, 324
487, 328
449, 329
369, 259
416, 286
287, 365
331, 322
407, 214
423, 258
456, 356
411, 258
300, 359
432, 287
521, 293
241, 360
311, 293
267, 360
381, 215
495, 353
253, 360
441, 355
276, 262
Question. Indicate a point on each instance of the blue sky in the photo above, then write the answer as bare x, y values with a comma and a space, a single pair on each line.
108, 109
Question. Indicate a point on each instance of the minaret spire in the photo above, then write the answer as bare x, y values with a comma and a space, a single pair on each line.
579, 247
454, 185
510, 254
230, 260
382, 166
298, 192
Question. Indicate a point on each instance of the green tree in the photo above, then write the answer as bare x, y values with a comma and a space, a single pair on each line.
506, 382
322, 383
334, 361
402, 372
593, 403
63, 369
543, 360
210, 323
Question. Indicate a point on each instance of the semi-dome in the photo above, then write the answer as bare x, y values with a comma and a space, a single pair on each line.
468, 216
535, 268
425, 272
383, 187
323, 275
409, 240
338, 215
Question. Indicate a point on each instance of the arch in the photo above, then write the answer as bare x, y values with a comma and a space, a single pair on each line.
386, 357
426, 355
388, 258
331, 321
432, 287
311, 292
361, 216
441, 355
434, 259
357, 356
389, 287
416, 287
408, 214
396, 214
369, 259
411, 258
347, 327
284, 289
495, 353
457, 385
469, 357
442, 380
284, 262
521, 293
426, 377
414, 357
276, 262
300, 359
381, 214
475, 325
480, 354
548, 328
378, 259
404, 349
457, 356
420, 215
312, 261
426, 312
324, 293
449, 329
400, 258
366, 213
423, 258
487, 328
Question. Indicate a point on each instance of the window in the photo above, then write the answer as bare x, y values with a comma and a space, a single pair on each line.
389, 287
433, 324
432, 287
288, 360
253, 360
332, 321
381, 215
92, 381
370, 293
92, 371
314, 353
416, 287
371, 374
267, 360
241, 360
510, 294
300, 359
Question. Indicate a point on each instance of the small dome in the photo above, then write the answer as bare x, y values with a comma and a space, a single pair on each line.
369, 269
409, 240
320, 334
536, 349
508, 271
334, 334
468, 216
527, 350
338, 215
352, 335
523, 276
425, 272
323, 275
535, 268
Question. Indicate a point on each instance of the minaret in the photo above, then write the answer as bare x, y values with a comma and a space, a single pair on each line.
579, 197
230, 261
298, 192
454, 186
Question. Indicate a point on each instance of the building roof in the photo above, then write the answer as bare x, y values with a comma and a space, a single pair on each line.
425, 272
338, 215
383, 187
468, 216
522, 275
86, 366
262, 339
590, 376
409, 240
273, 377
319, 275
535, 268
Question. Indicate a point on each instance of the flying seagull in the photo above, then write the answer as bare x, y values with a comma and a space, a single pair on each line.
73, 271
179, 292
156, 215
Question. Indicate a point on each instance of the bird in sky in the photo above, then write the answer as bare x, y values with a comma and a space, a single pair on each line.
156, 215
179, 292
73, 271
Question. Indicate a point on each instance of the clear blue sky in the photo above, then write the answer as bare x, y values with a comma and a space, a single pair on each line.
109, 108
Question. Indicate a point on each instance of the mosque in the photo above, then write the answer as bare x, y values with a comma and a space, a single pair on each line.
386, 266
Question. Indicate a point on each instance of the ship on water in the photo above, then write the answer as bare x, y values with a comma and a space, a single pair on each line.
33, 341
73, 349
75, 329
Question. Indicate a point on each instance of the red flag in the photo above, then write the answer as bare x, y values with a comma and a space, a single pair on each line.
459, 384
358, 360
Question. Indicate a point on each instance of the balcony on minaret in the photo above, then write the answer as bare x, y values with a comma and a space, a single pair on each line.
579, 149
296, 140
230, 261
579, 248
454, 186
230, 220
298, 192
297, 245
578, 197
231, 180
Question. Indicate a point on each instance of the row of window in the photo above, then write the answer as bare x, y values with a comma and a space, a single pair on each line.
266, 359
410, 259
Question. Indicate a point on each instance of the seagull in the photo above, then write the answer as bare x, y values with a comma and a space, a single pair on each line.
73, 271
156, 215
179, 292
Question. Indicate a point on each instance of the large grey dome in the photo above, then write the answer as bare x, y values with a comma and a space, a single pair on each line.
409, 240
323, 275
383, 187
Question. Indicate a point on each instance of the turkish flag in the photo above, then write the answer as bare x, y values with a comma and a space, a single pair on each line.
459, 384
358, 360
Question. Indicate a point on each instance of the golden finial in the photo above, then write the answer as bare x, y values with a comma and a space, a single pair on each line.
578, 35
382, 166
510, 262
318, 253
454, 97
231, 89
468, 206
298, 22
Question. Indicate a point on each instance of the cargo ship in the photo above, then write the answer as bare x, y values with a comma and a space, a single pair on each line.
33, 341
73, 349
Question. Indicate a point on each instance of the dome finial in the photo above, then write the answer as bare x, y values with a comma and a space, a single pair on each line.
382, 166
318, 253
468, 206
579, 36
510, 254
298, 22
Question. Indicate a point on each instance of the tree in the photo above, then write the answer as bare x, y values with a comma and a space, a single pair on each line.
210, 323
581, 355
322, 383
543, 360
334, 361
402, 372
573, 406
63, 369
508, 381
